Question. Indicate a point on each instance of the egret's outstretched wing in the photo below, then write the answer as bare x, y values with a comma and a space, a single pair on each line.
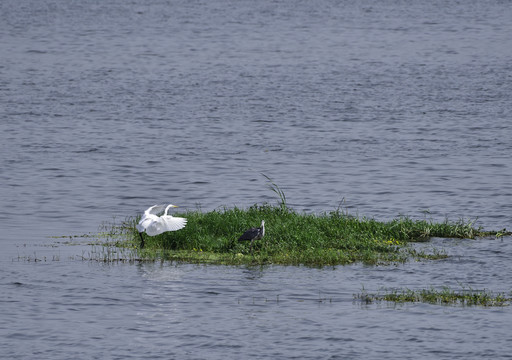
165, 223
154, 210
172, 223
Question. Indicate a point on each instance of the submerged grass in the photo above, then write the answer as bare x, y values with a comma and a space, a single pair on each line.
444, 296
294, 238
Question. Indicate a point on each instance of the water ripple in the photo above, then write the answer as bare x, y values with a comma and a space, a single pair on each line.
374, 107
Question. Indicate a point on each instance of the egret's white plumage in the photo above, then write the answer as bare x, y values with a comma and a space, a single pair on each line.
153, 224
165, 223
149, 216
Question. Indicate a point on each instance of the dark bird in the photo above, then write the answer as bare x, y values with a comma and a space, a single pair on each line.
253, 234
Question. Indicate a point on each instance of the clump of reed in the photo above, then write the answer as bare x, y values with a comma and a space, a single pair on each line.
294, 238
443, 296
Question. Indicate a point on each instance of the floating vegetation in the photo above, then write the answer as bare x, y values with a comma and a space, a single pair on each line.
291, 238
444, 296
37, 258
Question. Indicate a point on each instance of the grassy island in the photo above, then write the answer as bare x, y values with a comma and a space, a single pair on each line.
294, 238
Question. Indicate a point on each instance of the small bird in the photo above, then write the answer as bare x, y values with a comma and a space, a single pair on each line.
253, 234
153, 224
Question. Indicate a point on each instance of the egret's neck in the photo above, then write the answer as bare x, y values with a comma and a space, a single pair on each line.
167, 209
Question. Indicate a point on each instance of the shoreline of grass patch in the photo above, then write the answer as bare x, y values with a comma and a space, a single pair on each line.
293, 238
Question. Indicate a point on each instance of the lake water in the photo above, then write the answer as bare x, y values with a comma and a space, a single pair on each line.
381, 107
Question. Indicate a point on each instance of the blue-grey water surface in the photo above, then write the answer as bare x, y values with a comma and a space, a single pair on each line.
384, 108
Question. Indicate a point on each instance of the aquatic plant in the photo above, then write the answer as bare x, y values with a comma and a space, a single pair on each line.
291, 238
294, 238
277, 190
443, 296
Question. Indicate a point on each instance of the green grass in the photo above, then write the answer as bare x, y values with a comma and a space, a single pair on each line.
444, 296
294, 238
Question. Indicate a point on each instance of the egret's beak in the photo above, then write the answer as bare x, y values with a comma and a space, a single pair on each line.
175, 206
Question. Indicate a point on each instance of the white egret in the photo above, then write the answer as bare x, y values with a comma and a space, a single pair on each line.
149, 216
253, 234
153, 224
